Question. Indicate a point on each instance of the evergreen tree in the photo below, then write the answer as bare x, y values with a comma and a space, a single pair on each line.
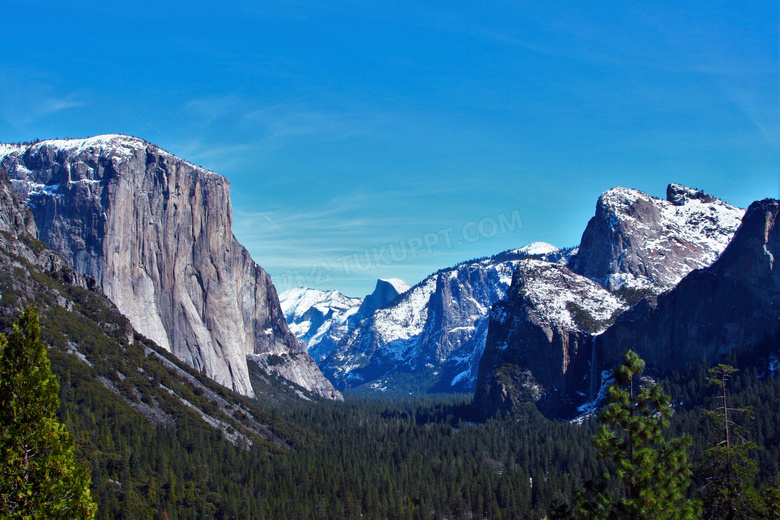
39, 477
729, 472
650, 475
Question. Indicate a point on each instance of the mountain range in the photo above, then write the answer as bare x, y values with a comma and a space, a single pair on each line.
432, 338
679, 279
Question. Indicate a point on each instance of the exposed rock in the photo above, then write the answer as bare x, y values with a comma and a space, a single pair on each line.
732, 305
15, 219
155, 232
537, 337
638, 242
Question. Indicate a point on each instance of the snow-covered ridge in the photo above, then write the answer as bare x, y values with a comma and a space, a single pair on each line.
553, 289
644, 242
117, 146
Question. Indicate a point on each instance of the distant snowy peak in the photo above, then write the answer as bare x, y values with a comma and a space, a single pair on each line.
319, 319
642, 242
297, 302
538, 249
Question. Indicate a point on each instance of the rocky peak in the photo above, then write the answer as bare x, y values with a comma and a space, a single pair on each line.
639, 242
384, 292
155, 232
679, 195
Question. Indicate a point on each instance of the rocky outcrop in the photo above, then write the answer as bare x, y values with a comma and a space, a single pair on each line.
155, 233
639, 243
15, 218
732, 305
538, 341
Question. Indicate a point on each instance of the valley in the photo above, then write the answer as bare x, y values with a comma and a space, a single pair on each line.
193, 390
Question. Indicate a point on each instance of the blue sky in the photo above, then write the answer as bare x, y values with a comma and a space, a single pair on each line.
390, 139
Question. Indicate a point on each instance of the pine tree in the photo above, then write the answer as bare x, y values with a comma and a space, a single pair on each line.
729, 472
650, 474
39, 477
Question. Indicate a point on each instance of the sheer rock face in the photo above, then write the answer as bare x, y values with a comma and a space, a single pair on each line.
640, 242
539, 336
155, 232
384, 292
732, 305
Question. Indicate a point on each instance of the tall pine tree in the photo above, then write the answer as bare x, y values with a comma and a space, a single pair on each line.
728, 471
649, 474
39, 477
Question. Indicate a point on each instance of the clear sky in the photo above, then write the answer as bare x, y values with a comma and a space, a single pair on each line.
368, 139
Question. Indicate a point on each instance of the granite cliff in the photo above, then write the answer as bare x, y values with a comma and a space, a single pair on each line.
540, 338
732, 305
155, 234
641, 243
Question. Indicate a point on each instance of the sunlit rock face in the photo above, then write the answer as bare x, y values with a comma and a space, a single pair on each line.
639, 242
155, 232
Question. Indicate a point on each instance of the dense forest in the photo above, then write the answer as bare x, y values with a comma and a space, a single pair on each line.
414, 458
164, 442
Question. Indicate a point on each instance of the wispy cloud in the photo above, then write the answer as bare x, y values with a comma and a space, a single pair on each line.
28, 96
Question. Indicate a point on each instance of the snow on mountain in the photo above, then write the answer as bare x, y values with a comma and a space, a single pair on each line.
399, 285
536, 335
539, 249
386, 290
319, 319
434, 332
641, 242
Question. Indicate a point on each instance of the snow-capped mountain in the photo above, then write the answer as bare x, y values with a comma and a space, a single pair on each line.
433, 335
639, 242
319, 319
540, 339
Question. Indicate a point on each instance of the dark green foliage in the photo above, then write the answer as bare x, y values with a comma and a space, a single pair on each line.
649, 475
632, 295
39, 477
727, 471
585, 319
